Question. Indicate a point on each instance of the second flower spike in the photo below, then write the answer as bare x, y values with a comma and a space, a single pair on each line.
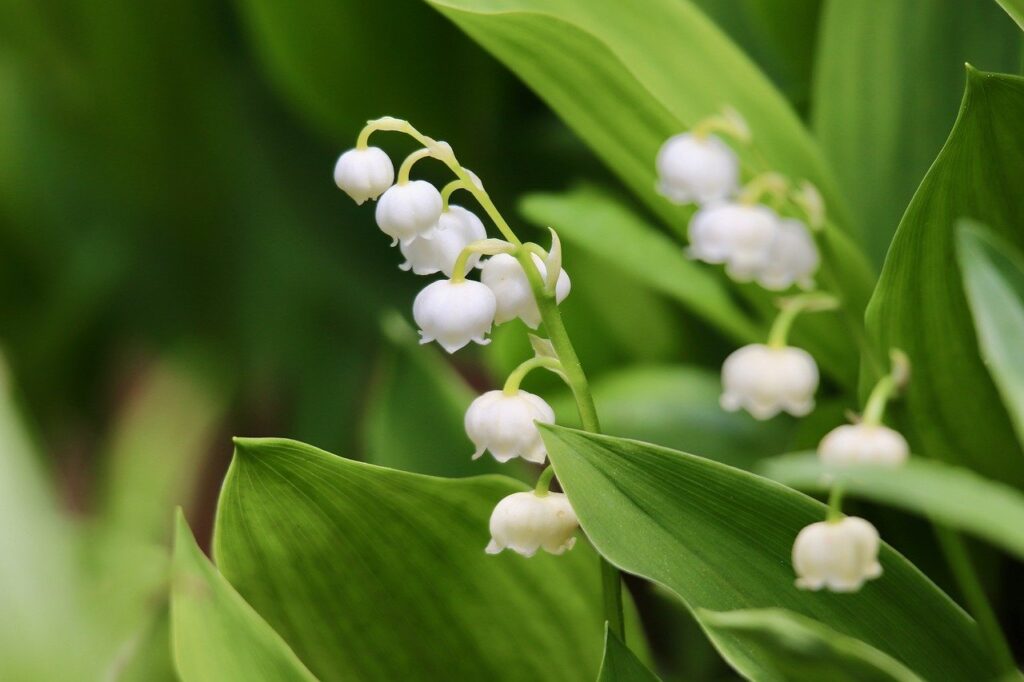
504, 423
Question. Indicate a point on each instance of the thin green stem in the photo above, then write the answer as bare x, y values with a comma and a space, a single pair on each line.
520, 372
978, 604
611, 579
879, 398
770, 183
791, 308
406, 167
485, 246
544, 481
447, 190
835, 504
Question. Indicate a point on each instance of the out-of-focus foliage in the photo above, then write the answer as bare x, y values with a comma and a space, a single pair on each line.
887, 85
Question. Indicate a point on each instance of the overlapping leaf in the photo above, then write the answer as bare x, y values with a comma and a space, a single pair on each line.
345, 559
919, 305
721, 539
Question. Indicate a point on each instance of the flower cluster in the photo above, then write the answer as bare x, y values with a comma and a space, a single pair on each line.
733, 225
516, 279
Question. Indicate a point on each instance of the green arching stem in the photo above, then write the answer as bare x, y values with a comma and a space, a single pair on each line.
448, 158
971, 589
485, 246
520, 372
406, 167
447, 190
770, 183
611, 579
880, 395
835, 504
544, 481
552, 318
719, 123
792, 307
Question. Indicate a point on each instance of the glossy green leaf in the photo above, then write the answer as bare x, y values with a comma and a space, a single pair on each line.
595, 222
677, 406
346, 559
620, 664
993, 272
952, 496
216, 635
414, 416
1015, 8
799, 649
721, 539
887, 83
626, 80
952, 409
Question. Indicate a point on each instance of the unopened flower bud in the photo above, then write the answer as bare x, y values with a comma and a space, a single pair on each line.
526, 522
836, 555
852, 444
507, 279
364, 173
765, 381
792, 258
738, 235
454, 313
504, 424
409, 210
695, 169
456, 229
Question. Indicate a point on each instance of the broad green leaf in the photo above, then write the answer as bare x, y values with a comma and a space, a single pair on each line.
376, 574
157, 448
993, 272
795, 648
626, 80
619, 664
721, 539
886, 91
593, 221
1015, 8
952, 496
677, 406
216, 635
414, 416
952, 409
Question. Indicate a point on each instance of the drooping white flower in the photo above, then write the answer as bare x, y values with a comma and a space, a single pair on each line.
504, 424
409, 210
364, 173
765, 381
738, 235
455, 229
863, 444
507, 279
526, 522
793, 258
695, 169
454, 313
836, 555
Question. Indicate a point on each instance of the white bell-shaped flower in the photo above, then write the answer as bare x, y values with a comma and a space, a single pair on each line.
455, 230
526, 522
852, 444
409, 210
507, 279
695, 169
364, 173
793, 258
765, 381
836, 555
504, 424
738, 235
454, 313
